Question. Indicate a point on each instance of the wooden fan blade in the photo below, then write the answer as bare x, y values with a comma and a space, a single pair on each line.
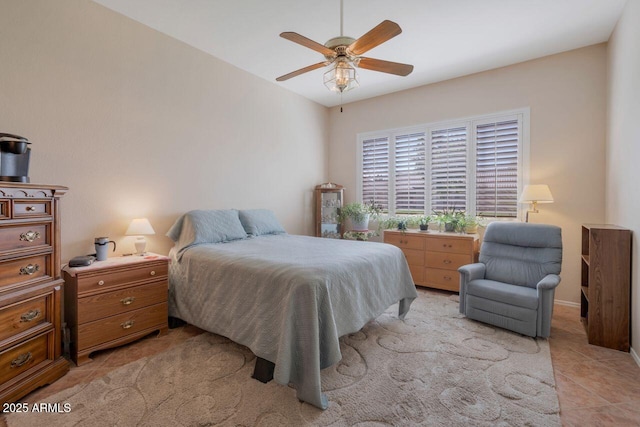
379, 34
302, 40
301, 71
385, 66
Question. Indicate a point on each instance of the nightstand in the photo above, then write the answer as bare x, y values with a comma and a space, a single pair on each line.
114, 302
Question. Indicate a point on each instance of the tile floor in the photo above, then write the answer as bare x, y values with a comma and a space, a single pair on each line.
596, 386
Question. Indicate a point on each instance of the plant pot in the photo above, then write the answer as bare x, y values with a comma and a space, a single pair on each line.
424, 227
360, 225
449, 226
471, 229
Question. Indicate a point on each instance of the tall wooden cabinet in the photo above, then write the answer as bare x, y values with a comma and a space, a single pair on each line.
30, 288
606, 285
329, 200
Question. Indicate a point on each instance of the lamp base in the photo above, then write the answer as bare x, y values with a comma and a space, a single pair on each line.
141, 244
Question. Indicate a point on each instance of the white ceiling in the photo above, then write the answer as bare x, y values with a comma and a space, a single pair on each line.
443, 39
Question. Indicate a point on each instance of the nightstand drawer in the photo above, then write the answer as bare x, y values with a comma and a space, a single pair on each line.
114, 327
21, 270
25, 236
444, 260
454, 245
17, 318
107, 304
31, 208
442, 279
102, 280
25, 356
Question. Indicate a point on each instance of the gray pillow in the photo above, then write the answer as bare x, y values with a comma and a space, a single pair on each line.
257, 222
206, 226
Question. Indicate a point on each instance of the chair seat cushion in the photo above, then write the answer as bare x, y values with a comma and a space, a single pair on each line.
520, 296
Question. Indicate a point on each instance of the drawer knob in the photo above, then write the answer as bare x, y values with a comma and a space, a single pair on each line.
21, 360
30, 208
29, 236
127, 300
447, 277
127, 324
447, 261
30, 315
29, 269
153, 273
101, 282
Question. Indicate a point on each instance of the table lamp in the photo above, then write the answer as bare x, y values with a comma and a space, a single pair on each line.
535, 194
140, 227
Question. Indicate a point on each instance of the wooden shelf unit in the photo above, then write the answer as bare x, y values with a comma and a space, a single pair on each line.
606, 285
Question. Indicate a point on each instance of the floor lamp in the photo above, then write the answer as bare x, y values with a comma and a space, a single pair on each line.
535, 194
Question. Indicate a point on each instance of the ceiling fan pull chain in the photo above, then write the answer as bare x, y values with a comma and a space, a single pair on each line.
341, 17
341, 102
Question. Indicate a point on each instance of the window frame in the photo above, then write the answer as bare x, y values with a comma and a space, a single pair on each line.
471, 123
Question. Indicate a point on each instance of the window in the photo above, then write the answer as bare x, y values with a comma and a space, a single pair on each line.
476, 164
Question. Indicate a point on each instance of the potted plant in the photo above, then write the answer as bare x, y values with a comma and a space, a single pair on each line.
359, 214
450, 218
470, 224
423, 222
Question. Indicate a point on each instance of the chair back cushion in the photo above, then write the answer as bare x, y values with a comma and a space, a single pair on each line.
521, 253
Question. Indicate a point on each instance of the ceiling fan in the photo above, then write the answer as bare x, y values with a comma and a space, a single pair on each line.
344, 53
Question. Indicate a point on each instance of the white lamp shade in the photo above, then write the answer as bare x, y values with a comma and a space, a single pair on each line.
536, 193
140, 227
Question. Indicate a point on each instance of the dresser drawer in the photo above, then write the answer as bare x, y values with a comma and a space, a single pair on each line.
97, 280
404, 241
31, 208
463, 246
417, 273
119, 301
22, 316
445, 260
18, 271
121, 325
24, 356
414, 257
23, 236
442, 279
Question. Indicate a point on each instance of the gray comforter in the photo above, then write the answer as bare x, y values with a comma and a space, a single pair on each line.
289, 298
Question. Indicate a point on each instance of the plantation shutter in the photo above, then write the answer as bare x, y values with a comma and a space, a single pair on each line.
375, 172
497, 169
449, 169
410, 174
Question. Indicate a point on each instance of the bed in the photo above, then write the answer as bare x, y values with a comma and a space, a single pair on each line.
288, 298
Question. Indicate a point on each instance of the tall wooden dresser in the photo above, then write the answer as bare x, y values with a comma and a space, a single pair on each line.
30, 288
434, 257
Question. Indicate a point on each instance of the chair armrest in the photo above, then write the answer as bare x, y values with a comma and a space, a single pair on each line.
473, 271
468, 273
546, 292
550, 281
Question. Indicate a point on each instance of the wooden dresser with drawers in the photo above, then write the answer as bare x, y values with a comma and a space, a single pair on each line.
30, 288
114, 302
434, 257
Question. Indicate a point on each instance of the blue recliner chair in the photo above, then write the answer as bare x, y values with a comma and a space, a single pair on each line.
514, 283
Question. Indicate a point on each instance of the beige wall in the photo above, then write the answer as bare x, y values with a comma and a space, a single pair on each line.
139, 124
623, 143
567, 97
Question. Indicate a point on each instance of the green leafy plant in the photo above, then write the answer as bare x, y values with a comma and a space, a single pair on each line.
357, 211
450, 218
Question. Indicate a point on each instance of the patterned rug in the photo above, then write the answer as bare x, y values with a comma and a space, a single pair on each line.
436, 368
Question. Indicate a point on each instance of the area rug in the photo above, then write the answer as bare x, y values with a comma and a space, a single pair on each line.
436, 368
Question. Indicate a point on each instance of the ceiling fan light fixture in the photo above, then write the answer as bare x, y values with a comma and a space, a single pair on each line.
342, 77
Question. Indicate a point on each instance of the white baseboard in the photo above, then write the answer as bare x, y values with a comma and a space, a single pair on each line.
567, 303
635, 356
